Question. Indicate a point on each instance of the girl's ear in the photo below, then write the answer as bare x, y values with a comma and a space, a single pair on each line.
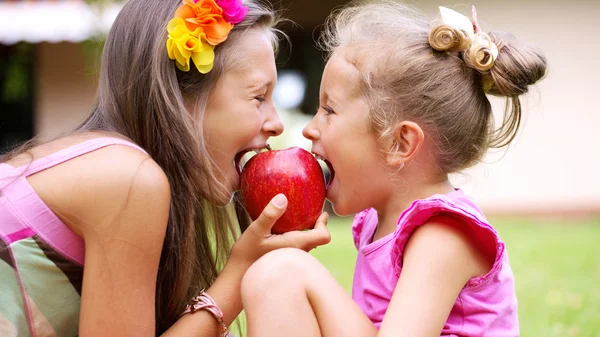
407, 138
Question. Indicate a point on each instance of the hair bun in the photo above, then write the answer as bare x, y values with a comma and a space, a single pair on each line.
518, 66
447, 38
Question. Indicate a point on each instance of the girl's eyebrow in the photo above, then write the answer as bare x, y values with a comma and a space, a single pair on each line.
327, 98
260, 86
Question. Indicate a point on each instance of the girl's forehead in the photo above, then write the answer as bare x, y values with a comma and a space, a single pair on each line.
341, 74
253, 58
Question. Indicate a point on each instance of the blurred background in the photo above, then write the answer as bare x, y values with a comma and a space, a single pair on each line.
543, 194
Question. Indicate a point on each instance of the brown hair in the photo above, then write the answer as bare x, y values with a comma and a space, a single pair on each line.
143, 96
404, 78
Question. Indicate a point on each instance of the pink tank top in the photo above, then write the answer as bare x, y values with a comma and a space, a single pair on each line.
486, 306
41, 259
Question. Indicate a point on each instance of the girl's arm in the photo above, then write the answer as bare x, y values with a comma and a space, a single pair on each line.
255, 242
122, 211
439, 259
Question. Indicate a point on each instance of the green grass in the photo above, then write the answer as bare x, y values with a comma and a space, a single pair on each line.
556, 266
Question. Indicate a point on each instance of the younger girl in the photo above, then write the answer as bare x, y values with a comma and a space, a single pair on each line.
402, 105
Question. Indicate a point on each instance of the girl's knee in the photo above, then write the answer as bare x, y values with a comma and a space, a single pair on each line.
281, 266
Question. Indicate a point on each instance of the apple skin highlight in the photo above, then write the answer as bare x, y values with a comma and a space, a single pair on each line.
294, 172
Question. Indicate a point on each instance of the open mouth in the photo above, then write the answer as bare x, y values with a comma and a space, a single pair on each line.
242, 157
328, 171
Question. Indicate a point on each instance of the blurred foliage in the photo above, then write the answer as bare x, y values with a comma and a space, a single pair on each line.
15, 66
92, 52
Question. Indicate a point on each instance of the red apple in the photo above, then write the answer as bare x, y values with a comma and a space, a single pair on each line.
294, 172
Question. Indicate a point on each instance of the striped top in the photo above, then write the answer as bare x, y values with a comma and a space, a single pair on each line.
41, 259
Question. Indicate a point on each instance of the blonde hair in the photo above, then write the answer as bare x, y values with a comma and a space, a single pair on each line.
404, 78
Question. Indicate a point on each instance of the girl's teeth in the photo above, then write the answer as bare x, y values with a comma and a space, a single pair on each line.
266, 148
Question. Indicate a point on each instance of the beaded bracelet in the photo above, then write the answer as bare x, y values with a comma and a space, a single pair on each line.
204, 301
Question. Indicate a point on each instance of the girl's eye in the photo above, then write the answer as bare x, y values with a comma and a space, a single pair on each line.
260, 98
328, 110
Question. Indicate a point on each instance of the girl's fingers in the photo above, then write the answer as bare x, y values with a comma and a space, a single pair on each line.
319, 235
273, 211
305, 240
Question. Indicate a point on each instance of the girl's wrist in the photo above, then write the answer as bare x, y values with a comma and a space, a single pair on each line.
225, 290
241, 257
239, 261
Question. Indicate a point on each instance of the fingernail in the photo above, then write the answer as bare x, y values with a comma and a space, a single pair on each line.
279, 200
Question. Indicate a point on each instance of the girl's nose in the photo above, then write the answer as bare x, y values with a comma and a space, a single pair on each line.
273, 124
310, 132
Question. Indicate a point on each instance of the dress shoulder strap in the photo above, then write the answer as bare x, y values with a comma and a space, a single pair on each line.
75, 151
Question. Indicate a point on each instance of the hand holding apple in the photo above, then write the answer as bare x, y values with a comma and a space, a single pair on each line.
294, 172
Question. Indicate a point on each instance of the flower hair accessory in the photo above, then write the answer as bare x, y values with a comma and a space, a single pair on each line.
458, 33
198, 26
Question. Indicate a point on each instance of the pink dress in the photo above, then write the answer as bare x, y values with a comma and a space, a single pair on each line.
486, 306
41, 258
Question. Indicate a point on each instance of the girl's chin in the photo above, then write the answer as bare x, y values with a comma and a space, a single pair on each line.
338, 207
337, 210
340, 211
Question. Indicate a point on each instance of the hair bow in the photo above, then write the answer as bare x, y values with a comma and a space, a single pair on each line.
459, 33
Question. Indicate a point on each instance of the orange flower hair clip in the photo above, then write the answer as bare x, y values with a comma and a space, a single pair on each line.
198, 26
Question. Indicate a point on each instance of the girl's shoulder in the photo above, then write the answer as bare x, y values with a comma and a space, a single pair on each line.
455, 209
68, 147
87, 179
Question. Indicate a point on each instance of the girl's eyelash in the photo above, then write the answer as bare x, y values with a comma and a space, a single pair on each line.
328, 110
260, 98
